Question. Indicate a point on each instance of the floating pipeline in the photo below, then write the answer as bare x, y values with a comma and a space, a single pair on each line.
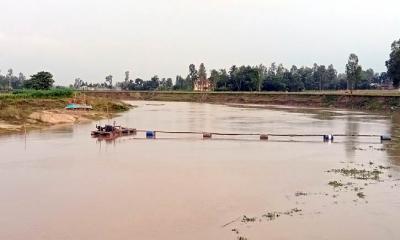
151, 134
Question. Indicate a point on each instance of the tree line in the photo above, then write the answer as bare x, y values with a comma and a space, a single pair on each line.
275, 77
266, 78
39, 81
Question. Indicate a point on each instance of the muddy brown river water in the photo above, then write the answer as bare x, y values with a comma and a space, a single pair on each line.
60, 183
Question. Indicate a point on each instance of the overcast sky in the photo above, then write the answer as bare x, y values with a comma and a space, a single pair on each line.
93, 38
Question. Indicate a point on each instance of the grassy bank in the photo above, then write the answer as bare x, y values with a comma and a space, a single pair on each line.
25, 93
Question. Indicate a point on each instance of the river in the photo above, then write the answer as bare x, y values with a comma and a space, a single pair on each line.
59, 183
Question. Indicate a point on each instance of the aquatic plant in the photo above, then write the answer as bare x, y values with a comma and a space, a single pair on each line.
298, 194
360, 174
335, 184
361, 195
246, 219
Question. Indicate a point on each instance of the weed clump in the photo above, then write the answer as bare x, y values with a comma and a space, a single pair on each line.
361, 195
246, 219
271, 215
335, 184
298, 194
358, 174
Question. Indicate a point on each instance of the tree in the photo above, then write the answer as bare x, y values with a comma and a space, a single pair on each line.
393, 64
202, 75
294, 83
139, 84
21, 77
151, 85
202, 72
125, 84
9, 77
166, 84
108, 82
126, 76
262, 73
353, 71
366, 79
180, 83
234, 82
169, 84
321, 75
331, 78
244, 78
78, 83
307, 77
40, 81
193, 75
220, 80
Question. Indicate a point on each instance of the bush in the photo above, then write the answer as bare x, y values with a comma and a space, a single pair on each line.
40, 81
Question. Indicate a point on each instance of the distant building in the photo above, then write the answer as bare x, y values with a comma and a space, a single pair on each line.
202, 85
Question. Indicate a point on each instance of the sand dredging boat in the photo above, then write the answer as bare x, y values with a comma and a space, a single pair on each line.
111, 132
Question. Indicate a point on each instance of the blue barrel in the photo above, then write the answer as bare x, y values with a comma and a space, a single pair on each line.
386, 138
150, 134
328, 138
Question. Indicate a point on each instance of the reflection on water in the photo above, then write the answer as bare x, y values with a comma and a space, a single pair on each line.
394, 146
352, 128
64, 184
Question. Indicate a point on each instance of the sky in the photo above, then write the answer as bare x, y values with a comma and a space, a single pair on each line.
91, 39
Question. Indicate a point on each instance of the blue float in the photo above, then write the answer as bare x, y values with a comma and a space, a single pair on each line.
328, 138
150, 134
386, 138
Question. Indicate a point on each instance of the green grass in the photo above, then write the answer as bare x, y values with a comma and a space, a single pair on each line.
28, 93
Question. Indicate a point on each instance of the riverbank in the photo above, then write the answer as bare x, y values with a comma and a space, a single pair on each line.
361, 100
23, 114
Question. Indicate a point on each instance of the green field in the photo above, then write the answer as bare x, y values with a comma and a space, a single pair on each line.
53, 93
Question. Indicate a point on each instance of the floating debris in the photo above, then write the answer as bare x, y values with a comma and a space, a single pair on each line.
291, 212
298, 194
271, 215
361, 195
335, 184
358, 174
246, 219
382, 167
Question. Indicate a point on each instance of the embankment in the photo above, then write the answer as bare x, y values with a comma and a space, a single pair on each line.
358, 101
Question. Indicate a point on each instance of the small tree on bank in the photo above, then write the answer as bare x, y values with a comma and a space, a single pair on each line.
193, 75
393, 64
109, 81
353, 72
40, 81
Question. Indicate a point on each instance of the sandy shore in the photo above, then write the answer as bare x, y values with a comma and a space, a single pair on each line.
21, 114
45, 118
